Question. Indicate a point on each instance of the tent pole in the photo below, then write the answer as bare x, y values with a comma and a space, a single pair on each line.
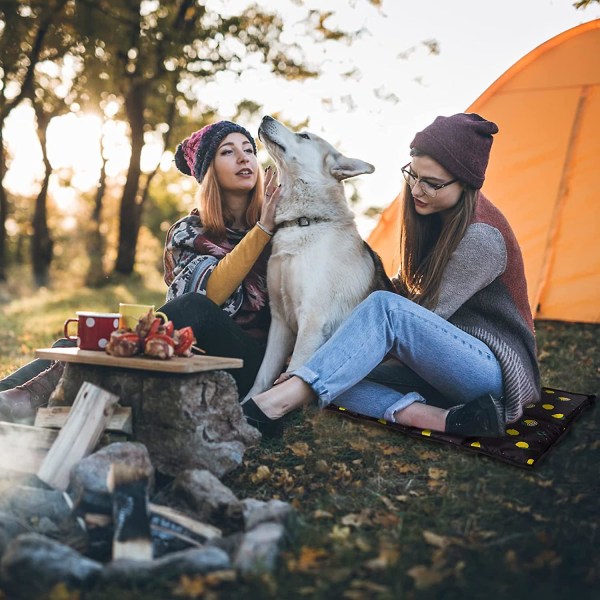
549, 251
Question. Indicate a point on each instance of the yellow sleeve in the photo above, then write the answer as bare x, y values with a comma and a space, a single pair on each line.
233, 267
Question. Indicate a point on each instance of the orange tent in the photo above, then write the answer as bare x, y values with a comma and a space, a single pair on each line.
544, 172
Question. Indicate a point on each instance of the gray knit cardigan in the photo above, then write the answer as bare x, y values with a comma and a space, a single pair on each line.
484, 292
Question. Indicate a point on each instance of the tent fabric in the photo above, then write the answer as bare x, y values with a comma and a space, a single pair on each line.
544, 172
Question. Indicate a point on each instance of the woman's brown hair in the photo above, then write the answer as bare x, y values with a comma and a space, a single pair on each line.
427, 243
214, 215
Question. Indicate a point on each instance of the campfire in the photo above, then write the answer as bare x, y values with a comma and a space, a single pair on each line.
86, 500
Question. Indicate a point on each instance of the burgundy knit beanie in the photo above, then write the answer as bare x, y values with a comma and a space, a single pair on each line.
195, 153
461, 144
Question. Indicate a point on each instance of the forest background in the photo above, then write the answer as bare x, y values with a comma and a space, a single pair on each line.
95, 95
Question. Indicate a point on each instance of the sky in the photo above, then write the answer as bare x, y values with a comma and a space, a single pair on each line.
397, 87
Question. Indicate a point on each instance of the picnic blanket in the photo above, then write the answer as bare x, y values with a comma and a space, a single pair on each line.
526, 442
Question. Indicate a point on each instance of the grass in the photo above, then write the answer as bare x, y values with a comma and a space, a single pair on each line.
382, 515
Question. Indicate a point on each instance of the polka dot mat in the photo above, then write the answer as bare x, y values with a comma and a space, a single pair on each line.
526, 441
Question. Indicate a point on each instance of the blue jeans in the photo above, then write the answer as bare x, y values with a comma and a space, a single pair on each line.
432, 361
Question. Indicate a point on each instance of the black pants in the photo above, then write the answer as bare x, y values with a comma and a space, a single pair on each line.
218, 334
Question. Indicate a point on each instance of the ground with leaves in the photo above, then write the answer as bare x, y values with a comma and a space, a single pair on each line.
382, 515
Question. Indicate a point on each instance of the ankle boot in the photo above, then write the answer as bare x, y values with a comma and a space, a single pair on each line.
482, 417
20, 403
257, 418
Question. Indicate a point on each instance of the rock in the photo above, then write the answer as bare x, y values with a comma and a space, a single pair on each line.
187, 421
33, 564
43, 511
199, 492
168, 568
87, 484
259, 548
10, 527
257, 512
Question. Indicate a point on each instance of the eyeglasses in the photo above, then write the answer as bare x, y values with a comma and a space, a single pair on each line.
429, 189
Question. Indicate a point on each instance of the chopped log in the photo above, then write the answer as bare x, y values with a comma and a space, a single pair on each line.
178, 523
24, 447
56, 417
87, 419
129, 485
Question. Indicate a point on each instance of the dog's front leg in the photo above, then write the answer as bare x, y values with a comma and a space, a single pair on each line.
311, 336
279, 345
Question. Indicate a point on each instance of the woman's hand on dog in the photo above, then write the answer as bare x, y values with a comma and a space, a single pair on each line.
272, 188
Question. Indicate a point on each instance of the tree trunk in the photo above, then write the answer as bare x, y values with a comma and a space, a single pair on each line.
3, 207
96, 244
131, 201
41, 243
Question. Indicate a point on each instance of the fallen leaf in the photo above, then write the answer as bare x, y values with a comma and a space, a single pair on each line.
308, 560
388, 556
427, 455
190, 587
435, 473
261, 474
322, 514
357, 519
388, 503
340, 534
389, 450
300, 449
407, 468
439, 541
425, 577
359, 445
62, 592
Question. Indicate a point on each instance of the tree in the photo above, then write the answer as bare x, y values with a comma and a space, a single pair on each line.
156, 52
23, 30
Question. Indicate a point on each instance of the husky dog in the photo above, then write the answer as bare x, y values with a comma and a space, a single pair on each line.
320, 268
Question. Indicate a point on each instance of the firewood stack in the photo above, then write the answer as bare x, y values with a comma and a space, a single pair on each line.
77, 511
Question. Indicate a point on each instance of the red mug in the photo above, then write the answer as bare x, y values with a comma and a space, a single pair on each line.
93, 329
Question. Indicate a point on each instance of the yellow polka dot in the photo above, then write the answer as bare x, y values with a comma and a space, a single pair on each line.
530, 406
382, 421
530, 461
530, 422
341, 408
564, 399
476, 444
558, 415
548, 406
522, 445
426, 432
512, 432
549, 391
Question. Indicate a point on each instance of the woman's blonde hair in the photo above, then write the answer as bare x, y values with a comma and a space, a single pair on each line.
426, 244
214, 214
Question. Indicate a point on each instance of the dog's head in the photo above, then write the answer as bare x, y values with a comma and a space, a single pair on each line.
307, 156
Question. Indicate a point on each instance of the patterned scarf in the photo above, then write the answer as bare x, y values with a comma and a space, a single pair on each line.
190, 257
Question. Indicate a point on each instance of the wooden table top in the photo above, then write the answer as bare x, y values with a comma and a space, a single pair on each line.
176, 364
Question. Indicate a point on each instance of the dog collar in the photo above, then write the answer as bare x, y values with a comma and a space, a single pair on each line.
301, 222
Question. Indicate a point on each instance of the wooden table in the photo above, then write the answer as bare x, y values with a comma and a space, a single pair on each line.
176, 364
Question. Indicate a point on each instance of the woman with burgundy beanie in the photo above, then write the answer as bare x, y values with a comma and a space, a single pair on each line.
215, 265
454, 349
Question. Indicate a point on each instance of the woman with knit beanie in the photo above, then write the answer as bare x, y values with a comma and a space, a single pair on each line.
215, 264
454, 349
215, 258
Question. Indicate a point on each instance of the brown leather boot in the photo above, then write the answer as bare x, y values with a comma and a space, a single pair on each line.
19, 404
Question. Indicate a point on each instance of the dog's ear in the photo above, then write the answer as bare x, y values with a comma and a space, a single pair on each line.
344, 167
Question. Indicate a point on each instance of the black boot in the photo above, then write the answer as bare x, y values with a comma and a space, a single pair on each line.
482, 417
257, 418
